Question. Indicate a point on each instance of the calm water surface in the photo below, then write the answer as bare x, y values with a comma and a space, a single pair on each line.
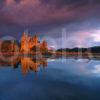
61, 79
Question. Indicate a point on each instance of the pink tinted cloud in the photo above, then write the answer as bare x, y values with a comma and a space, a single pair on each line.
76, 39
34, 12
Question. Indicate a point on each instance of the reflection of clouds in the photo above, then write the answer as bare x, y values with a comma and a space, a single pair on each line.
52, 60
76, 67
96, 69
71, 66
88, 69
73, 72
83, 61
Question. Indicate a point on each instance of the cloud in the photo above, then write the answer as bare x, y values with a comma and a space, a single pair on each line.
42, 13
51, 16
75, 36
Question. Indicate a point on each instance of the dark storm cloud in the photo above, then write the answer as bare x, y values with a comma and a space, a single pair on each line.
39, 15
62, 3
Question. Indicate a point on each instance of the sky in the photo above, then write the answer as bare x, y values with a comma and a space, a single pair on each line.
64, 23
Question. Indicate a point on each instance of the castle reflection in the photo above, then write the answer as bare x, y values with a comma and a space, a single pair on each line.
27, 63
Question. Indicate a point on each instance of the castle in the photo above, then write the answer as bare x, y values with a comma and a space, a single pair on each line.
29, 43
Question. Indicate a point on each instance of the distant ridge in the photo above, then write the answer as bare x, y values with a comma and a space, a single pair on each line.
95, 49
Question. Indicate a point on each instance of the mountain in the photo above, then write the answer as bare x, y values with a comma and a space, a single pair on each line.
95, 49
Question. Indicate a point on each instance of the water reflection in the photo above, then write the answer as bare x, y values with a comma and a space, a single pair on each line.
66, 79
28, 63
